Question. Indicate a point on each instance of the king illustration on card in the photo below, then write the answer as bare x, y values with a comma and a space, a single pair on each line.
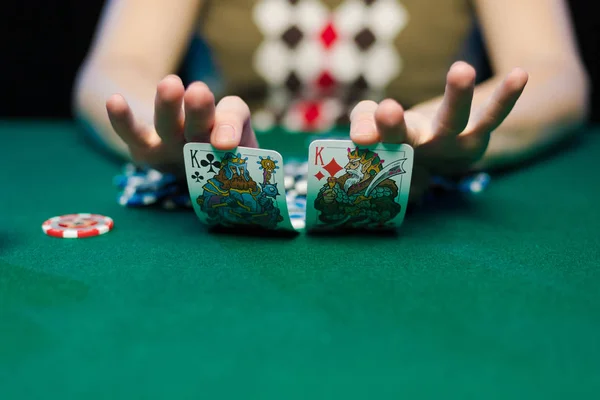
357, 187
240, 187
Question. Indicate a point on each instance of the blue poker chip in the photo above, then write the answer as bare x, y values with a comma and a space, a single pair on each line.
143, 183
137, 199
133, 198
121, 181
143, 179
141, 186
296, 203
131, 169
300, 201
442, 183
182, 200
177, 201
474, 184
297, 215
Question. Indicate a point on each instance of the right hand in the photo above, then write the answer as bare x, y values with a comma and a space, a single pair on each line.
328, 196
180, 116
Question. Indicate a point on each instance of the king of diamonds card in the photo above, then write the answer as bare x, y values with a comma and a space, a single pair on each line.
354, 187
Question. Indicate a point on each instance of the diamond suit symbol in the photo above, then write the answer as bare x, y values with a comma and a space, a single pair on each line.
333, 167
319, 175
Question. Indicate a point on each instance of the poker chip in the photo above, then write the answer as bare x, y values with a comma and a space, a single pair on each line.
74, 226
298, 223
292, 194
296, 187
475, 184
143, 187
143, 180
301, 187
288, 182
469, 185
133, 197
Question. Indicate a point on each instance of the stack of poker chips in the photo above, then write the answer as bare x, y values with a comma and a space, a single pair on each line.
296, 186
140, 187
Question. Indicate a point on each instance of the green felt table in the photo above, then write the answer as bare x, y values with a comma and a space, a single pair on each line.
497, 296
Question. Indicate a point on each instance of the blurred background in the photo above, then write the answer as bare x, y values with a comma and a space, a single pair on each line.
44, 42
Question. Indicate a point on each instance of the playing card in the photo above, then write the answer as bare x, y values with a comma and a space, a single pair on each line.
356, 187
242, 187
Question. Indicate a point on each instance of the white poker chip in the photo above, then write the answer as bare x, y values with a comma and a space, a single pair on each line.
476, 187
298, 223
303, 169
289, 182
301, 187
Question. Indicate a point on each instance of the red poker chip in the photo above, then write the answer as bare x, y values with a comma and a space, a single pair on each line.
74, 226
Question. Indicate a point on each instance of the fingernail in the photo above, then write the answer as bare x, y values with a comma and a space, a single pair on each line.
362, 128
226, 132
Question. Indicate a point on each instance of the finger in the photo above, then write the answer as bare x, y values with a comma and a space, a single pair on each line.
453, 115
363, 129
500, 103
125, 125
168, 116
199, 103
232, 125
389, 118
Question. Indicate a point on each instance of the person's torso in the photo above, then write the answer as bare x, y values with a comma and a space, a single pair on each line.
305, 63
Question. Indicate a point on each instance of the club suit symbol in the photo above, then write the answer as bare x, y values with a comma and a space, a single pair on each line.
197, 176
210, 162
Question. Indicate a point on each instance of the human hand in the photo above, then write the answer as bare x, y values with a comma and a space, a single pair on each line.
180, 116
447, 140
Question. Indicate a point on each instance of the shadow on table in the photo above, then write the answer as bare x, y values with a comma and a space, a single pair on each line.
254, 232
445, 205
378, 234
251, 232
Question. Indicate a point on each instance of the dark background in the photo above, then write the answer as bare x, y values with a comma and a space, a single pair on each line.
44, 42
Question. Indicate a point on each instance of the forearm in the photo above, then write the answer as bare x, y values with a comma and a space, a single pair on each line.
553, 104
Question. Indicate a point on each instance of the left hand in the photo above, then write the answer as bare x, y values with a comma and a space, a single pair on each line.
447, 141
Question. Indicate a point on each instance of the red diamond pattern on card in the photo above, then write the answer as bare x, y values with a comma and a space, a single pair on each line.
319, 175
333, 167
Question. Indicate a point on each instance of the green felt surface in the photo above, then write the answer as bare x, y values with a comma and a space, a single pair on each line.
497, 297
